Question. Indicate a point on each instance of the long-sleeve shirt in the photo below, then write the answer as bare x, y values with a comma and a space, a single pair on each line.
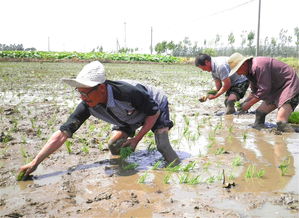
272, 81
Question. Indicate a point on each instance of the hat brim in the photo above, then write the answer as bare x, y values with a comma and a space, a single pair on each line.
236, 68
80, 84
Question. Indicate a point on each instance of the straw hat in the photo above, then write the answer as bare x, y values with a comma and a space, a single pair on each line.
91, 75
235, 61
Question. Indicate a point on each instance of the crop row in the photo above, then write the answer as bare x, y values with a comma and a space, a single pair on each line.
88, 56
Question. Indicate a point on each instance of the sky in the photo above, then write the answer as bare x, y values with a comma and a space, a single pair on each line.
82, 25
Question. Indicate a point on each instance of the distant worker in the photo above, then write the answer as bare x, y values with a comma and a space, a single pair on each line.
234, 87
272, 81
126, 105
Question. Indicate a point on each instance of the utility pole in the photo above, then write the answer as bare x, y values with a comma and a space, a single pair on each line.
117, 45
258, 31
125, 35
151, 40
48, 43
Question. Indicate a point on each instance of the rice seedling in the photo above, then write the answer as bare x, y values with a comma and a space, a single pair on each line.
157, 165
69, 145
251, 172
220, 151
85, 149
183, 178
15, 125
238, 105
244, 136
206, 165
142, 178
130, 166
211, 179
284, 166
260, 173
125, 152
195, 180
237, 161
100, 146
186, 120
190, 166
20, 176
170, 167
167, 178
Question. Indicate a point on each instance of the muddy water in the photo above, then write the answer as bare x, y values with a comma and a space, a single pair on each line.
96, 184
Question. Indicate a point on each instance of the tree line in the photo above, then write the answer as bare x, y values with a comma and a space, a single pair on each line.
285, 45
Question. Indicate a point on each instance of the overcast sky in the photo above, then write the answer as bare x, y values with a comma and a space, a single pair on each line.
81, 25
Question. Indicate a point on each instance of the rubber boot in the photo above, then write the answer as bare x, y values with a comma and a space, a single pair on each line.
164, 147
230, 107
286, 127
115, 146
259, 120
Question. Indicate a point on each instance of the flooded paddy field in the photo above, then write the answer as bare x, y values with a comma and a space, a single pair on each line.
228, 169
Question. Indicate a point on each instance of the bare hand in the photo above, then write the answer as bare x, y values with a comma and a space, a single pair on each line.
130, 142
203, 98
28, 168
210, 97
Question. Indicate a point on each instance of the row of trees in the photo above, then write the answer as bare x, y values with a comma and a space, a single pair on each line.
14, 47
285, 45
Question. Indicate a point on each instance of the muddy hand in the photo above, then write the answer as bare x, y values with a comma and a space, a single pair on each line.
28, 168
203, 98
130, 143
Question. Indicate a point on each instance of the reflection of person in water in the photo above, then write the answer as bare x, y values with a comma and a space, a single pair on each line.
234, 86
272, 81
126, 105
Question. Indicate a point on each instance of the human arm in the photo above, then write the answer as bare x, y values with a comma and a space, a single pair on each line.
221, 88
59, 137
249, 102
147, 126
55, 142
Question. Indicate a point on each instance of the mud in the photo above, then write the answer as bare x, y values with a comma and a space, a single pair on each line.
85, 180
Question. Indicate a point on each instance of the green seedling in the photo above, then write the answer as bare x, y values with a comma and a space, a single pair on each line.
244, 136
171, 167
184, 178
284, 166
20, 176
237, 161
125, 152
206, 165
156, 165
68, 145
195, 180
130, 166
238, 105
190, 166
167, 178
142, 178
294, 117
260, 173
219, 151
212, 92
211, 179
85, 149
251, 172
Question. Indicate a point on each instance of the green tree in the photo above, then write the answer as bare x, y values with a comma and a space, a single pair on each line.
231, 39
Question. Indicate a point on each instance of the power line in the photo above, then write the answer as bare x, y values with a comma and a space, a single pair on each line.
230, 9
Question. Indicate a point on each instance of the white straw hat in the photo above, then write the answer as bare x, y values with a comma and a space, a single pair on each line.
91, 75
235, 61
